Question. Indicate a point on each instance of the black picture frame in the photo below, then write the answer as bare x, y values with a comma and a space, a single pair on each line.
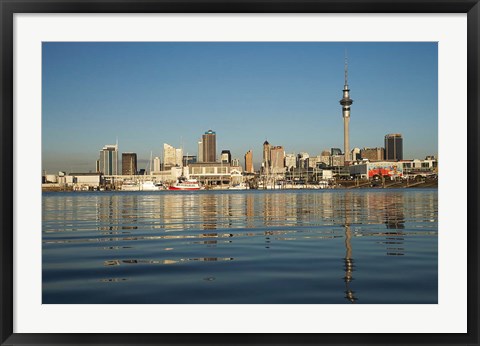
10, 7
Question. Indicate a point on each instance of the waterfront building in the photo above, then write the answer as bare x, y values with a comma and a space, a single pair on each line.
82, 180
129, 163
108, 162
189, 159
226, 157
377, 170
346, 102
215, 174
266, 157
249, 162
277, 159
200, 151
290, 161
420, 167
372, 154
394, 147
209, 145
172, 157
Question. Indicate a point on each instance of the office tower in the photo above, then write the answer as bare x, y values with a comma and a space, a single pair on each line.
290, 161
277, 159
394, 147
226, 157
179, 157
129, 163
249, 162
108, 162
372, 154
266, 157
346, 102
156, 164
209, 140
200, 151
172, 157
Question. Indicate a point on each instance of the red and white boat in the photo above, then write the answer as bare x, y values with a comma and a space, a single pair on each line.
186, 185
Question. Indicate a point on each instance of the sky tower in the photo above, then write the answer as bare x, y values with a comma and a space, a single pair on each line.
346, 101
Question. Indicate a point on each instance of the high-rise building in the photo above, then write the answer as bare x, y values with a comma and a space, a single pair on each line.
249, 162
394, 147
277, 159
209, 145
226, 157
129, 163
266, 157
157, 164
172, 157
200, 151
372, 154
346, 102
108, 162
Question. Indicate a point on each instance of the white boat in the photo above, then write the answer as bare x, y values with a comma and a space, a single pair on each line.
142, 186
151, 186
241, 186
186, 185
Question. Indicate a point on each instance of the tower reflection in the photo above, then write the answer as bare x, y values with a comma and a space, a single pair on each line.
349, 263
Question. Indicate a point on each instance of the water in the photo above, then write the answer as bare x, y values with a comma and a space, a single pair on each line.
313, 247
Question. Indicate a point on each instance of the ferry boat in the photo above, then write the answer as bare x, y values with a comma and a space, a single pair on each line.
186, 185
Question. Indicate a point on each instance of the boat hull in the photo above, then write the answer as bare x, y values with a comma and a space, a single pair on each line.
175, 188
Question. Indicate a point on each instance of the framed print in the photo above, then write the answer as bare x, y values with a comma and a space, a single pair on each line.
239, 172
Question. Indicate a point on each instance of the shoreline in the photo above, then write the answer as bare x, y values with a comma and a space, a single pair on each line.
347, 185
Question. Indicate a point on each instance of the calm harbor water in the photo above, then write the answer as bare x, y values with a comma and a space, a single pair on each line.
312, 247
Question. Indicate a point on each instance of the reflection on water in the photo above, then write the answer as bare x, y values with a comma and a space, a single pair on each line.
252, 247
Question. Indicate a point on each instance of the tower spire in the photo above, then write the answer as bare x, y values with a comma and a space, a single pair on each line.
346, 102
346, 69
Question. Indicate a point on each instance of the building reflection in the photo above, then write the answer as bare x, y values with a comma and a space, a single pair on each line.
208, 208
349, 263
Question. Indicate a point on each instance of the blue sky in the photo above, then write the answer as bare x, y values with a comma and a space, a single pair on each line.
147, 94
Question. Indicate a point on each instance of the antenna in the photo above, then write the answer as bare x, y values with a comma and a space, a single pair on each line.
346, 67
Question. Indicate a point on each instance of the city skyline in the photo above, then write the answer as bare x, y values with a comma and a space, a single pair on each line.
148, 94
